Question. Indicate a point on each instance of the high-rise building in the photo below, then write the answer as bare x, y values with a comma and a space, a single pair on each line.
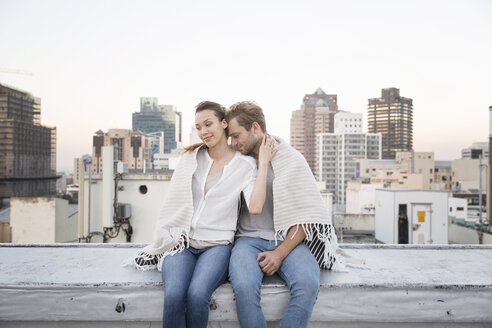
476, 150
130, 147
158, 118
76, 162
315, 116
337, 153
410, 162
27, 149
442, 174
392, 116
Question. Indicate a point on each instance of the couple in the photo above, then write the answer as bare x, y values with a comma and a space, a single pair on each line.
199, 241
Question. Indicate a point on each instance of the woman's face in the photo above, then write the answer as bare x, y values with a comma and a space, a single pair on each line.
209, 128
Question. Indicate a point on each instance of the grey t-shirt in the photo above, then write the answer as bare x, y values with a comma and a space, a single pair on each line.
259, 225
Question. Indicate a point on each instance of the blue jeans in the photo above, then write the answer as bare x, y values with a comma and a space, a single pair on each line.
299, 270
190, 278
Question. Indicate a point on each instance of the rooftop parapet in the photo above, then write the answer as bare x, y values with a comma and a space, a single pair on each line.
84, 285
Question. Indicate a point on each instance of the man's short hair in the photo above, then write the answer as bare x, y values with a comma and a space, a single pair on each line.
247, 112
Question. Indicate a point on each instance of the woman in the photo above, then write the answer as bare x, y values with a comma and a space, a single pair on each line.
195, 231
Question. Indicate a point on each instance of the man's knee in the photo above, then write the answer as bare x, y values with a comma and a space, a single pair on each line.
247, 289
310, 285
306, 289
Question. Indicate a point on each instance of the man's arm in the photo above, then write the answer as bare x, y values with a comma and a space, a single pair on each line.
273, 259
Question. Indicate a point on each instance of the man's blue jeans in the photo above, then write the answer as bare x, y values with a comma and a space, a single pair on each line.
190, 278
299, 270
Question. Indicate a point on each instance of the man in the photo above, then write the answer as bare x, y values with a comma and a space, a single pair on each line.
256, 251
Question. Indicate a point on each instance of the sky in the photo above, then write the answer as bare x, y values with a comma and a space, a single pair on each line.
91, 61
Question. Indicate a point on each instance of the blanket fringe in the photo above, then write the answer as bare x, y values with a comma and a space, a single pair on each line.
322, 241
149, 258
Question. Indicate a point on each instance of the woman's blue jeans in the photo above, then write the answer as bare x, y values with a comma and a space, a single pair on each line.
189, 279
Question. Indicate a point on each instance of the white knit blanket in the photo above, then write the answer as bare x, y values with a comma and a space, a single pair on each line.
297, 202
174, 222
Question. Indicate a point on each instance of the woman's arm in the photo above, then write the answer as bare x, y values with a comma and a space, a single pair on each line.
258, 195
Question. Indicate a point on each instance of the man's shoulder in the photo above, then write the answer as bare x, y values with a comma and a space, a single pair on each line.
288, 153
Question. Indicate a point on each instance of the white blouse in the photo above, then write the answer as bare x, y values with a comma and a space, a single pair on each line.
216, 211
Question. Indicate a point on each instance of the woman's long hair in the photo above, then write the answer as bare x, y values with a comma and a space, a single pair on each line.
219, 112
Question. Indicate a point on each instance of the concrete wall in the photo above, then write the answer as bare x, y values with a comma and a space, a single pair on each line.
359, 222
65, 226
466, 172
361, 198
33, 219
5, 233
466, 235
41, 220
145, 208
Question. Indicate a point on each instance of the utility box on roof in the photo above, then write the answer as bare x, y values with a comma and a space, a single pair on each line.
406, 216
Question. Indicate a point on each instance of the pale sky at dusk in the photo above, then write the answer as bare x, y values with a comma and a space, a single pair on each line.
93, 60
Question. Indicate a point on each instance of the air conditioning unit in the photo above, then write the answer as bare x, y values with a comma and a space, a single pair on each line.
123, 211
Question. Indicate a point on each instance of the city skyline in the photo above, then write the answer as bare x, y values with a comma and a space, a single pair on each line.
91, 62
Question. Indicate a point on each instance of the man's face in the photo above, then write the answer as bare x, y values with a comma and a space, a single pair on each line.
242, 139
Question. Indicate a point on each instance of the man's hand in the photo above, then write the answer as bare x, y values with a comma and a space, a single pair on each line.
271, 262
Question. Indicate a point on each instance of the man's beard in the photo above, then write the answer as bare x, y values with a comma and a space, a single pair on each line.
250, 146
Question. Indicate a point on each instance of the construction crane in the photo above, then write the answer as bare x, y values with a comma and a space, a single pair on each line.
14, 71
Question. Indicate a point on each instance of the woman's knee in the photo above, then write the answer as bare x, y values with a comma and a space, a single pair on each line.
197, 297
174, 296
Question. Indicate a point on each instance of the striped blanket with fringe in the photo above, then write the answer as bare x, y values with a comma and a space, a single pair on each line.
297, 202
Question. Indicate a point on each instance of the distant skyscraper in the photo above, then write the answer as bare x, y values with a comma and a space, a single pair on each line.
132, 148
76, 162
476, 149
315, 116
27, 149
337, 153
392, 116
158, 118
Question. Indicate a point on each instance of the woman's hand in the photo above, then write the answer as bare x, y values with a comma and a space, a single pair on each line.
258, 196
266, 152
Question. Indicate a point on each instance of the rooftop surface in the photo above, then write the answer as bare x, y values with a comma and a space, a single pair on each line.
398, 284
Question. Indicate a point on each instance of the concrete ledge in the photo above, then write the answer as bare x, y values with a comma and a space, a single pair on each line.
399, 286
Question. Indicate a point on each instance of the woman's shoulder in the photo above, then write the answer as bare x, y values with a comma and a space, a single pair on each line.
246, 160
